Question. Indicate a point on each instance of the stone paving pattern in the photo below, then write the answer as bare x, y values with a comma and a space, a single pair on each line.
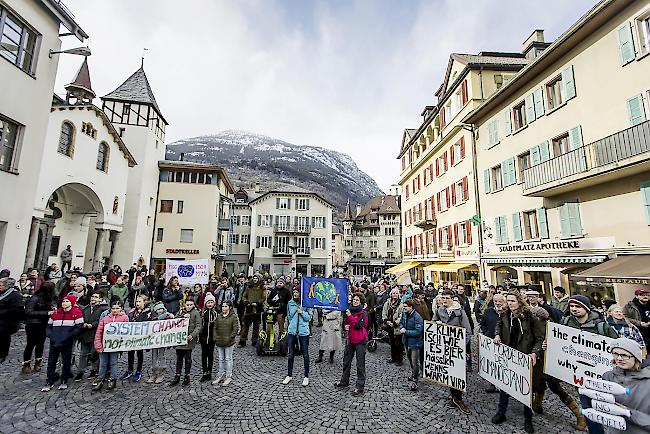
257, 402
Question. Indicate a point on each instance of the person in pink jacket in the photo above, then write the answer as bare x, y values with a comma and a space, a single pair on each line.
116, 314
356, 327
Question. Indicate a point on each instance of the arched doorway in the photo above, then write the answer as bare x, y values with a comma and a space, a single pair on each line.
73, 211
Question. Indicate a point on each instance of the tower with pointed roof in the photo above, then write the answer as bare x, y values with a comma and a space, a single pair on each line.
134, 111
80, 91
348, 236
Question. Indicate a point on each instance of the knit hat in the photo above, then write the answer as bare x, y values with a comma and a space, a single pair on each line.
71, 298
628, 345
581, 301
80, 281
158, 306
641, 291
280, 280
209, 297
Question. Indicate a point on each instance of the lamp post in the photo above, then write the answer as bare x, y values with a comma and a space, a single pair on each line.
79, 51
294, 261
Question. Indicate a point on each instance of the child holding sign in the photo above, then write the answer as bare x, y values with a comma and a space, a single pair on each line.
116, 314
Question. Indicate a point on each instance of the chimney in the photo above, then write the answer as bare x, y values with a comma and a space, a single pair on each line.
257, 187
534, 44
182, 157
358, 209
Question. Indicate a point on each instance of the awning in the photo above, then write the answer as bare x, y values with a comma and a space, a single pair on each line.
631, 269
547, 260
451, 267
404, 266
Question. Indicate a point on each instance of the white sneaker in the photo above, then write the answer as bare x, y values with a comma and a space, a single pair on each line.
305, 382
287, 380
63, 386
227, 381
46, 388
218, 380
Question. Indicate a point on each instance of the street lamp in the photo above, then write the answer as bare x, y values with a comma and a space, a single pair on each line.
79, 51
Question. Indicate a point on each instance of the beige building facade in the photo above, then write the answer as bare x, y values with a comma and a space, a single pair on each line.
563, 159
193, 214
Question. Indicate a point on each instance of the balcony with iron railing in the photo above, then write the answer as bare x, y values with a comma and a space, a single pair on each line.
287, 251
292, 229
424, 220
621, 154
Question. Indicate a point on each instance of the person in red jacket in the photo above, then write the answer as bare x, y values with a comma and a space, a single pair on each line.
63, 327
356, 327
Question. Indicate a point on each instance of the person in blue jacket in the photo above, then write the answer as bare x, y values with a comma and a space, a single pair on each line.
297, 332
412, 330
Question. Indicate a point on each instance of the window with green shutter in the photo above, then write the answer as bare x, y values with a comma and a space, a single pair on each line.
542, 223
636, 110
568, 83
516, 227
530, 108
575, 137
538, 98
493, 131
625, 44
570, 223
501, 231
544, 151
507, 122
534, 156
486, 180
645, 193
509, 172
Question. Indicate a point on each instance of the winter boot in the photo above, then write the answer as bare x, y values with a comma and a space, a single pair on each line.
111, 384
321, 353
152, 376
97, 387
538, 398
175, 381
26, 369
161, 376
581, 423
37, 365
186, 380
331, 356
205, 377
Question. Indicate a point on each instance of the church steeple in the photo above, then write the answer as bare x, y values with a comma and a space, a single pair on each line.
348, 212
80, 91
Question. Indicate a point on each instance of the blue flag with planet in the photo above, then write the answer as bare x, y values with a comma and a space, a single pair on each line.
321, 293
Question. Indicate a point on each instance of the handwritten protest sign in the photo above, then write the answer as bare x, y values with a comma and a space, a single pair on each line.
444, 354
188, 272
573, 355
508, 369
126, 336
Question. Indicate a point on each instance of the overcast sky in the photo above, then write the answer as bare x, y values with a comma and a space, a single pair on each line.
342, 74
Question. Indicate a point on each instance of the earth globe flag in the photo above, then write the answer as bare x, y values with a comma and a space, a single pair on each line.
322, 293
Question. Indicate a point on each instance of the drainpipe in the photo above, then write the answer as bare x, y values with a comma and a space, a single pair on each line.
155, 216
471, 129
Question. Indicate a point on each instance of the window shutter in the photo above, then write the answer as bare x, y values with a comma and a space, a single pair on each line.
486, 180
296, 202
645, 194
238, 220
438, 194
544, 151
538, 97
257, 242
444, 158
564, 220
440, 236
507, 126
530, 108
447, 196
468, 235
508, 170
453, 194
313, 243
535, 157
259, 220
463, 92
516, 227
455, 234
430, 172
497, 230
575, 137
462, 147
574, 218
451, 154
504, 229
407, 191
568, 83
636, 110
542, 224
308, 203
442, 118
277, 203
625, 44
313, 222
465, 189
437, 167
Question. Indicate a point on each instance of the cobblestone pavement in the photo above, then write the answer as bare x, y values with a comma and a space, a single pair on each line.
258, 402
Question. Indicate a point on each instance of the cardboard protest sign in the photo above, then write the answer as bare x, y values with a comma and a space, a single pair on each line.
127, 336
572, 355
508, 369
188, 272
444, 355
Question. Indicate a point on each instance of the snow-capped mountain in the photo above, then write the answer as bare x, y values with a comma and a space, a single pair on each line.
249, 158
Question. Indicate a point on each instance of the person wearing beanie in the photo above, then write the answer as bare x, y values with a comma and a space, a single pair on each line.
206, 338
582, 316
356, 325
184, 352
279, 297
92, 314
139, 313
632, 372
253, 300
63, 327
158, 313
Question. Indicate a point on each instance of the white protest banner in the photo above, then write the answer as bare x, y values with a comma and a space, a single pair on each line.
126, 336
188, 272
508, 369
444, 355
573, 355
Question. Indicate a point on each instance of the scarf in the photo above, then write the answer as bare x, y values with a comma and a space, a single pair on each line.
355, 310
6, 293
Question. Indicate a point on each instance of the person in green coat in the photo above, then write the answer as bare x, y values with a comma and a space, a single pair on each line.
118, 291
184, 352
226, 327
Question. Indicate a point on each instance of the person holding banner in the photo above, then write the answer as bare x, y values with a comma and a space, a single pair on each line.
356, 327
158, 365
518, 329
184, 352
412, 331
116, 314
632, 373
391, 316
297, 334
139, 313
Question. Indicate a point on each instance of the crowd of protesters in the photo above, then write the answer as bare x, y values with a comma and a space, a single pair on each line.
71, 309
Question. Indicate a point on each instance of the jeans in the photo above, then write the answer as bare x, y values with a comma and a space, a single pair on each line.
304, 349
158, 358
131, 360
106, 359
592, 427
35, 341
350, 351
85, 349
66, 360
414, 361
504, 398
225, 360
207, 356
183, 356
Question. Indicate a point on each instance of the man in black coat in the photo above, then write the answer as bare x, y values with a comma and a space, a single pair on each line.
489, 321
91, 314
11, 312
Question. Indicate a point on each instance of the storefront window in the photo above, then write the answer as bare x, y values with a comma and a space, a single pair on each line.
541, 278
597, 292
503, 273
318, 270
